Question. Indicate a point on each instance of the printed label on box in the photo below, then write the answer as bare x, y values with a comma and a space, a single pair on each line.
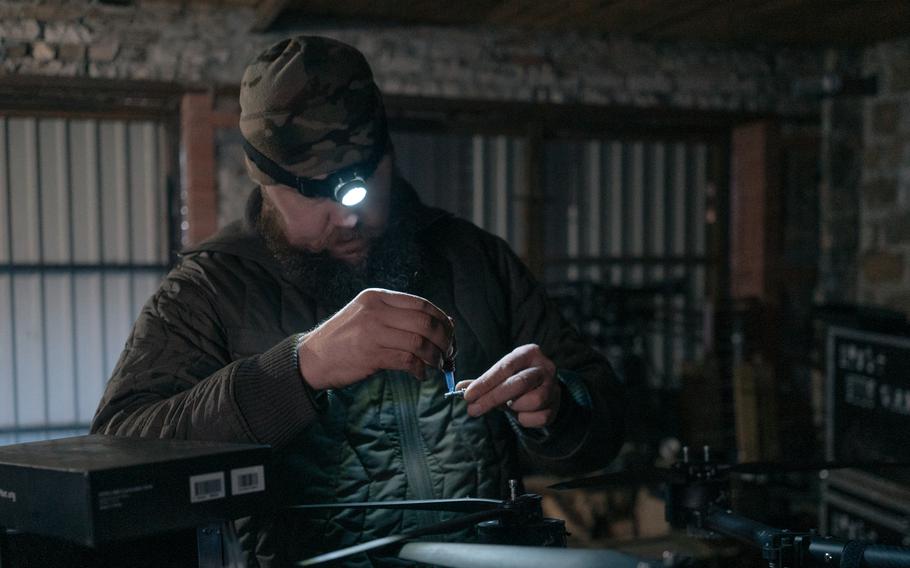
206, 487
247, 480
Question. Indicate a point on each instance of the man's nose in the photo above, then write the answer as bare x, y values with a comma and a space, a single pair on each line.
345, 216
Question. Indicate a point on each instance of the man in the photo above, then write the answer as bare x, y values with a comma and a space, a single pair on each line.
320, 328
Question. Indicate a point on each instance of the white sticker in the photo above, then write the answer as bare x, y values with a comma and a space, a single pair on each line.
247, 480
206, 487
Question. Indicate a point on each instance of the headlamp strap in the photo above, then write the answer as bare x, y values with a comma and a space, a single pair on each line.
310, 187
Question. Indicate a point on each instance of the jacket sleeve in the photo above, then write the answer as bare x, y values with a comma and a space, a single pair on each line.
588, 430
175, 378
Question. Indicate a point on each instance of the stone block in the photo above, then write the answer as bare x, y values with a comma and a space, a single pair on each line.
43, 51
880, 192
103, 52
24, 30
71, 52
54, 11
881, 267
17, 50
885, 117
66, 32
141, 37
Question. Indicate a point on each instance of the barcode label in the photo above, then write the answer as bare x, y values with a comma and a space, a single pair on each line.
247, 480
206, 487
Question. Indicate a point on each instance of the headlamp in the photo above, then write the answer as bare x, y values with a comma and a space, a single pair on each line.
346, 186
351, 192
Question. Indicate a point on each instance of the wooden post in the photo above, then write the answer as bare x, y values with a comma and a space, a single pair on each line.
754, 211
755, 228
198, 141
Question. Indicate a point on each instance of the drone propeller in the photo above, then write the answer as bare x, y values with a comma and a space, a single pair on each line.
466, 505
770, 468
648, 475
451, 525
633, 476
457, 555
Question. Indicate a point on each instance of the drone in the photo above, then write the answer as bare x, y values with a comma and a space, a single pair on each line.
515, 533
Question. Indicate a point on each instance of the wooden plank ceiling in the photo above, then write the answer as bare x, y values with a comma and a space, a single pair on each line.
793, 22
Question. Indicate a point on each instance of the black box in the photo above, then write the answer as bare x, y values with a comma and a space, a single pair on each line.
857, 505
97, 489
868, 417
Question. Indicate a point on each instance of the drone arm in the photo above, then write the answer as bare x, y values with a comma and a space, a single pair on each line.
739, 527
831, 552
804, 549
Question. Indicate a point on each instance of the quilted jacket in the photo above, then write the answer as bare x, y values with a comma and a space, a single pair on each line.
212, 357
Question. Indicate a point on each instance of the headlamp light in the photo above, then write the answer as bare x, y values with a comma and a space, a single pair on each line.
351, 192
347, 186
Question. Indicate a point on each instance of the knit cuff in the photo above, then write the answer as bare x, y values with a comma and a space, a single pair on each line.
273, 398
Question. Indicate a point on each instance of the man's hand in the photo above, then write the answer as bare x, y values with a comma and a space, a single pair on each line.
379, 329
525, 380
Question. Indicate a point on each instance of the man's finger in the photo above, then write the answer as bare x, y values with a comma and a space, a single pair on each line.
420, 323
537, 419
420, 346
508, 366
463, 384
509, 389
534, 400
396, 360
406, 301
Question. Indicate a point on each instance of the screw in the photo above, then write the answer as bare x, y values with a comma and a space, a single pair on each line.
513, 489
707, 451
685, 454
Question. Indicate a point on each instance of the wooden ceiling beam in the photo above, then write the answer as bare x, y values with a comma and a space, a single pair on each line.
266, 13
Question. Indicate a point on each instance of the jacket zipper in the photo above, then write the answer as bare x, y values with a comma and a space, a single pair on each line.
413, 451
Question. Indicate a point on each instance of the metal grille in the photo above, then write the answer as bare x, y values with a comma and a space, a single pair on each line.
481, 178
629, 218
622, 218
84, 241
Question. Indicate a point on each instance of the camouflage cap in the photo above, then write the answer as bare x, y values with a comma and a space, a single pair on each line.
310, 104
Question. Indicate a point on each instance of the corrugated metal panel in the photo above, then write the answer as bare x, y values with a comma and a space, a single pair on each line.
499, 164
632, 214
83, 242
481, 178
438, 166
626, 214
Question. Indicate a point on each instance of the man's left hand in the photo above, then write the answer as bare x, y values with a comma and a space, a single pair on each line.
524, 380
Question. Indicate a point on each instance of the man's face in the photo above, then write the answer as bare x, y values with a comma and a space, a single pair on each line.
323, 225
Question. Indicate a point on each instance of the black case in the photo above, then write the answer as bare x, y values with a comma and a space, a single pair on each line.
95, 489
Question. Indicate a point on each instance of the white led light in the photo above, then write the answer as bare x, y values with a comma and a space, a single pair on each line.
354, 196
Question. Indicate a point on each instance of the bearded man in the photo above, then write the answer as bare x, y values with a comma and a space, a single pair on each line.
320, 322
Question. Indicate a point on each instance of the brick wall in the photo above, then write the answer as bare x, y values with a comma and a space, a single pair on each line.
838, 192
884, 208
196, 43
864, 203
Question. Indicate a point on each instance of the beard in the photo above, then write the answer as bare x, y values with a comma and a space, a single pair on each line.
393, 259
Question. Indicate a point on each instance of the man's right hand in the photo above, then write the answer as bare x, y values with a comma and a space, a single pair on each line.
379, 329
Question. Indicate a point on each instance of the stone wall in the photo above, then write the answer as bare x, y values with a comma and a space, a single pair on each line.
206, 44
864, 193
838, 192
884, 212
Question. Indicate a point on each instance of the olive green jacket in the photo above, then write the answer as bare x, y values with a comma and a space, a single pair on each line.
212, 357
